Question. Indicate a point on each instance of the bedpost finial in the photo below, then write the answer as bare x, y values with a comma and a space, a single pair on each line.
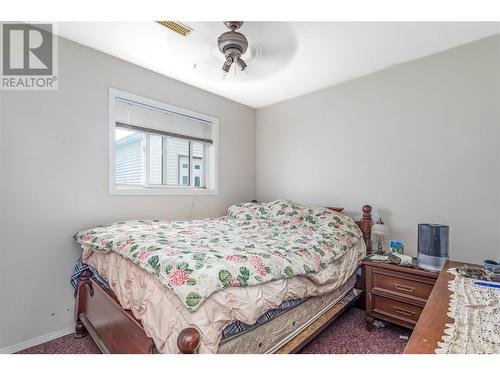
188, 340
85, 275
367, 212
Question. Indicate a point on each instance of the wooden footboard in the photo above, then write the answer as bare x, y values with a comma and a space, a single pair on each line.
113, 329
116, 330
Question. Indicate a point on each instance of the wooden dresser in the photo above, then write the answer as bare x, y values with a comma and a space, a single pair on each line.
430, 327
395, 293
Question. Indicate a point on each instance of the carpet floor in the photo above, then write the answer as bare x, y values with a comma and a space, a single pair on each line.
346, 335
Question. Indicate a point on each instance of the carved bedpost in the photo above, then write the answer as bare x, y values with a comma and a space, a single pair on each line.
188, 340
83, 280
365, 224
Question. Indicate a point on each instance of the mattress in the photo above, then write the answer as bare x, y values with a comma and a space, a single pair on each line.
271, 335
236, 328
163, 315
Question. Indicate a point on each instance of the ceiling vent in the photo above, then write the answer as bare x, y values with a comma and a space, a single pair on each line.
177, 27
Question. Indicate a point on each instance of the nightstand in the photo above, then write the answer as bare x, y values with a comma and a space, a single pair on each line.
395, 293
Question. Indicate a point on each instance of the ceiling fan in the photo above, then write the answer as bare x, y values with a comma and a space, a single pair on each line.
264, 55
233, 45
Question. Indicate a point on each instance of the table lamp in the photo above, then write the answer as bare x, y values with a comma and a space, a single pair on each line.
379, 232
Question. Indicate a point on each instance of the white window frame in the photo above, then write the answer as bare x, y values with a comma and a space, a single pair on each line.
211, 172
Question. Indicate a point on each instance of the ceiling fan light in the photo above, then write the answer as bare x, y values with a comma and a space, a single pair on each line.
226, 67
242, 64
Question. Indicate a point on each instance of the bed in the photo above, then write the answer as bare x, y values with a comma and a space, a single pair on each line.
265, 278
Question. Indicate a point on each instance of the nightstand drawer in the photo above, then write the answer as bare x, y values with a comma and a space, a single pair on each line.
396, 309
395, 293
401, 283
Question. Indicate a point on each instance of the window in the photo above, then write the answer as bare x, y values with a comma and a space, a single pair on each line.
156, 148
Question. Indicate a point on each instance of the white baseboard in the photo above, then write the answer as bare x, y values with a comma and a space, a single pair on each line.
36, 341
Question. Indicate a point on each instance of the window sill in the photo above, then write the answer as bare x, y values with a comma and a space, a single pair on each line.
160, 191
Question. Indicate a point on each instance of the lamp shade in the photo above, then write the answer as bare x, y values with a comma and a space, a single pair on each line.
380, 230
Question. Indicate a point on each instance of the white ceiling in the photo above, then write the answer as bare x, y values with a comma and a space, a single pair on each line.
285, 59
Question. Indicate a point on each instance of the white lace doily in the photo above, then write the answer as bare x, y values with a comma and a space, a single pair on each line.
476, 310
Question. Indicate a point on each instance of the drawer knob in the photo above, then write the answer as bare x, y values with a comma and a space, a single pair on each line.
404, 312
404, 288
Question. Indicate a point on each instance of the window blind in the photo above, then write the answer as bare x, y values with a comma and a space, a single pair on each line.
140, 117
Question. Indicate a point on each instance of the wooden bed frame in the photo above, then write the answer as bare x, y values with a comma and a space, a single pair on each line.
116, 330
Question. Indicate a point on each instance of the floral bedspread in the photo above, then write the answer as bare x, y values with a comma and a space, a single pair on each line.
253, 244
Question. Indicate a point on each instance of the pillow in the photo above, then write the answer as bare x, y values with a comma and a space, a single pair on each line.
317, 216
331, 225
284, 211
247, 211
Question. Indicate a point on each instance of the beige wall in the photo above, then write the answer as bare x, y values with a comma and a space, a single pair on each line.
54, 179
419, 142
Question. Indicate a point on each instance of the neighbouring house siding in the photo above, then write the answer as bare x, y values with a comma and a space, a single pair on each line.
176, 150
129, 158
155, 159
